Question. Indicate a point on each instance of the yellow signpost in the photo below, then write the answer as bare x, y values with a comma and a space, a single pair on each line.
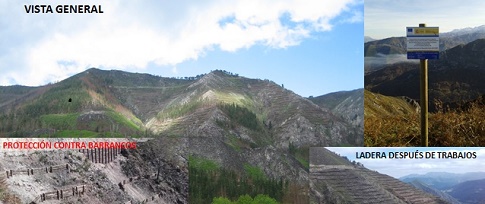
423, 44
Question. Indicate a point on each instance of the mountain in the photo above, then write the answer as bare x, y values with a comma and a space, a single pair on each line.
465, 55
420, 185
368, 39
443, 180
347, 104
334, 179
466, 188
388, 51
240, 124
469, 192
387, 46
397, 45
457, 77
463, 31
138, 103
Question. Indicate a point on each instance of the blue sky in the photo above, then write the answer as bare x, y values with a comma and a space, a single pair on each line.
402, 167
389, 18
312, 47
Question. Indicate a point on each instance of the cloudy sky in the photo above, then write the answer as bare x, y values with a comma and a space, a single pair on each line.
402, 167
311, 46
389, 18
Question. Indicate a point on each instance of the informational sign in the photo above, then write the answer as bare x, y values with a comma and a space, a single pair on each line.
423, 42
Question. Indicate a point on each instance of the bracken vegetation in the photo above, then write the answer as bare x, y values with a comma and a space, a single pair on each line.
447, 127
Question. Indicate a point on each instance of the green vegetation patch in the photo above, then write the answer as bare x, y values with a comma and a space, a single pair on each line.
254, 172
73, 134
208, 181
246, 199
301, 154
176, 111
241, 115
122, 120
56, 99
202, 164
60, 121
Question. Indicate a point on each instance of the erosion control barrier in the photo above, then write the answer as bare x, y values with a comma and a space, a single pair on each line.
42, 170
61, 194
101, 155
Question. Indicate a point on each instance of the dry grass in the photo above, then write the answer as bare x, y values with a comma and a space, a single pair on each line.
446, 128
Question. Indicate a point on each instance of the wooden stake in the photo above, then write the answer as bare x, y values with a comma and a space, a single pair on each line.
424, 99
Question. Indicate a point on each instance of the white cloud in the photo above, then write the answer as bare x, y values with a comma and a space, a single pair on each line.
132, 34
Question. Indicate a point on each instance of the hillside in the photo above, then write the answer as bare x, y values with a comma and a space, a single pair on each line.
454, 187
424, 187
347, 104
377, 105
154, 172
235, 122
456, 78
395, 121
469, 192
133, 104
387, 46
337, 180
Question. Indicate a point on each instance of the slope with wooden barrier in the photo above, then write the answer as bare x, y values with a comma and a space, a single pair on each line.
101, 155
32, 171
62, 194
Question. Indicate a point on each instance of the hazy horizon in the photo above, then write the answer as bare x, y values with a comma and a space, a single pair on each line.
386, 18
398, 168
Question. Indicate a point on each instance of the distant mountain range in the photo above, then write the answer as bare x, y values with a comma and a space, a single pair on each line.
368, 39
443, 180
469, 192
420, 185
397, 45
467, 188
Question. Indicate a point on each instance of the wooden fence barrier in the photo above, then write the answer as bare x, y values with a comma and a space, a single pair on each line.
101, 155
41, 170
62, 193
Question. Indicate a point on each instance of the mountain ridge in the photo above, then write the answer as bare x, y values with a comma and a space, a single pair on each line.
229, 119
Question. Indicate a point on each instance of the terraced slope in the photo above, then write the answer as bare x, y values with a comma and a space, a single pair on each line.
403, 191
334, 179
351, 187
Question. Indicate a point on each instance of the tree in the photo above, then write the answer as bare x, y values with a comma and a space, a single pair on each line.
221, 200
264, 199
245, 199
